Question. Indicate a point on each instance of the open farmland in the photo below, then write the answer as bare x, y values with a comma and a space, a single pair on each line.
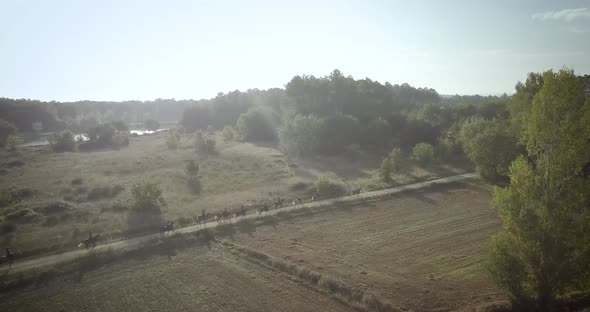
198, 279
422, 250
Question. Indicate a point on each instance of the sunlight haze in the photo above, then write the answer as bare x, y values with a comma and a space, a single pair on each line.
123, 50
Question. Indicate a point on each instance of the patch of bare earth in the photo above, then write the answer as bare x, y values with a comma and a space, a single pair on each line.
198, 279
421, 251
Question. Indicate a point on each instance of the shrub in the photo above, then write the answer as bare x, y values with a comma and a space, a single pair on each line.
152, 125
423, 153
6, 130
203, 145
173, 139
255, 126
396, 157
54, 207
191, 168
228, 133
104, 136
385, 170
62, 142
146, 204
329, 188
298, 136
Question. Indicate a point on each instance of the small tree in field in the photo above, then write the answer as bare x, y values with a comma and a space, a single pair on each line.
423, 153
152, 125
192, 170
203, 145
146, 204
396, 158
385, 170
62, 142
228, 133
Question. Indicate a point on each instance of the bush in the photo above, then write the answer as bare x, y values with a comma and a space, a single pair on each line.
191, 168
146, 206
329, 188
152, 125
62, 142
54, 208
298, 136
385, 170
228, 133
104, 136
6, 130
396, 157
423, 153
173, 139
255, 126
204, 145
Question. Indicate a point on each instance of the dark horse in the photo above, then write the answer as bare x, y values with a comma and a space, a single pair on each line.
167, 228
241, 212
265, 208
278, 203
202, 219
90, 242
356, 192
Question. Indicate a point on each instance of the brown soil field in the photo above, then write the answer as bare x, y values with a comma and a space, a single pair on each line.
421, 251
197, 279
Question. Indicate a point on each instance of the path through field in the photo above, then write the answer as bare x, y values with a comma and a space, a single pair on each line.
51, 260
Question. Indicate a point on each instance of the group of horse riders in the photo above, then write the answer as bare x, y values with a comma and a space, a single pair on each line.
92, 240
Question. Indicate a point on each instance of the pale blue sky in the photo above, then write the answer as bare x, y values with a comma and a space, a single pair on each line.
120, 50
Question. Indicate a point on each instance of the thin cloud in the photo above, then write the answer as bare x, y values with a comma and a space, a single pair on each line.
566, 15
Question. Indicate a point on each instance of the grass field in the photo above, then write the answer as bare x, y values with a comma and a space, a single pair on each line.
92, 188
417, 251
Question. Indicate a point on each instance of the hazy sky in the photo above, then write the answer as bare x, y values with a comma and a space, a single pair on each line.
118, 50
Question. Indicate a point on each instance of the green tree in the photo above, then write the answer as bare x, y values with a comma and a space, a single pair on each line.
6, 129
298, 136
396, 159
423, 153
173, 139
204, 145
255, 126
147, 201
543, 248
385, 170
191, 168
489, 145
228, 133
62, 142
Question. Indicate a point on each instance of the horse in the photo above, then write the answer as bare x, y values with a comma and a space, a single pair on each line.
222, 217
202, 219
315, 195
297, 201
265, 208
241, 212
279, 202
90, 242
167, 228
356, 192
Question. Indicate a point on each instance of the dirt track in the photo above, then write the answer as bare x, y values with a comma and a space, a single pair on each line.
51, 260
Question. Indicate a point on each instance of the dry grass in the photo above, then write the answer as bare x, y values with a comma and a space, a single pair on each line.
96, 184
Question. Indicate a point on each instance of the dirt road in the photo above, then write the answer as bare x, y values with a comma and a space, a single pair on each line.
50, 260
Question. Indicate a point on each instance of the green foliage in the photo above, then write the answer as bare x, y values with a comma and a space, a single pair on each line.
385, 170
104, 136
146, 206
298, 137
377, 134
120, 126
6, 130
191, 168
173, 139
152, 125
228, 134
396, 159
329, 188
62, 142
423, 154
204, 145
543, 249
489, 145
255, 126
